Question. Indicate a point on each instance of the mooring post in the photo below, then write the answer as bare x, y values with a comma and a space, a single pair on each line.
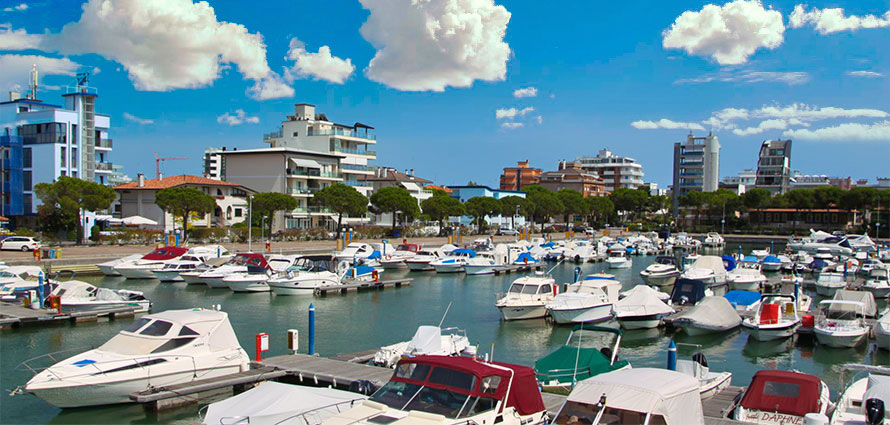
311, 329
672, 356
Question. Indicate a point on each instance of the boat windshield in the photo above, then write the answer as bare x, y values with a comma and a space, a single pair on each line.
576, 413
454, 401
668, 261
516, 288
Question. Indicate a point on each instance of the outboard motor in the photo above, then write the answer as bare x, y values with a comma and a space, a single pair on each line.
874, 411
363, 387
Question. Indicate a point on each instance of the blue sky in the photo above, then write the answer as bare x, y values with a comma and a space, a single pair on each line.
605, 74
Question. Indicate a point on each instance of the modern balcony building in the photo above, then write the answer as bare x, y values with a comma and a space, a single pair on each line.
696, 166
515, 178
390, 177
213, 163
570, 175
309, 131
70, 139
774, 166
616, 171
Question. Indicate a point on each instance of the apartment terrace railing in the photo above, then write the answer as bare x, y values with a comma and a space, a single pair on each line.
104, 143
355, 151
342, 132
309, 173
356, 167
312, 209
104, 166
273, 135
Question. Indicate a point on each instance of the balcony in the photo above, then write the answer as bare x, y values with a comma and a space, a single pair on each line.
277, 134
355, 151
104, 166
303, 191
354, 167
342, 132
311, 209
357, 183
103, 144
312, 173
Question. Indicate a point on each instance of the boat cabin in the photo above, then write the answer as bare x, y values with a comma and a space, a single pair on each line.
778, 396
172, 329
688, 292
666, 260
531, 286
165, 253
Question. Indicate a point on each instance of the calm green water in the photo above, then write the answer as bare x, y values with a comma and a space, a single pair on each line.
356, 322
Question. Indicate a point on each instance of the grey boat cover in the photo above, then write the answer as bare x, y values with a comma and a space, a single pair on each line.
714, 312
878, 387
865, 297
274, 402
641, 301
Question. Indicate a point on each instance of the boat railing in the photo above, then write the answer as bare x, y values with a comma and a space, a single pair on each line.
312, 416
29, 364
563, 373
136, 361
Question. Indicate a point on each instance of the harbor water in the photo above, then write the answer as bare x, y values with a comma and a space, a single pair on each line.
360, 321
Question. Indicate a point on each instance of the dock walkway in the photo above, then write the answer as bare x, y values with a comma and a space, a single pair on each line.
14, 315
362, 285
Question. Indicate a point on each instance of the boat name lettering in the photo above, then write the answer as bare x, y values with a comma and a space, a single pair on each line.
780, 418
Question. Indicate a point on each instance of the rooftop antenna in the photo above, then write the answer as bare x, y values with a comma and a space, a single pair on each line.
83, 79
33, 82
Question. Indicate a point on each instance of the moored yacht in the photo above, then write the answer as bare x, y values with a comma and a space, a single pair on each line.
527, 297
587, 301
878, 282
866, 399
776, 318
396, 259
143, 267
421, 261
171, 272
107, 268
841, 323
157, 350
711, 315
663, 272
239, 263
618, 258
254, 278
589, 351
17, 281
641, 308
483, 263
431, 340
827, 283
714, 239
304, 277
747, 276
75, 295
782, 397
454, 262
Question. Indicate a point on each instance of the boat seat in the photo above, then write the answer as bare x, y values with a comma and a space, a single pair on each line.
769, 314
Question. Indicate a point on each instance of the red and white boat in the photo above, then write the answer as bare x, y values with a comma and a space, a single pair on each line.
144, 267
779, 397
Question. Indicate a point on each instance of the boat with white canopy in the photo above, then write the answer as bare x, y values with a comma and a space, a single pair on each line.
427, 340
274, 403
642, 308
711, 315
841, 323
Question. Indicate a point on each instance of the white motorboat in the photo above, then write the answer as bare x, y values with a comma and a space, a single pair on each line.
107, 268
170, 272
711, 315
841, 323
714, 239
587, 301
878, 282
527, 297
881, 331
663, 272
157, 350
709, 383
396, 259
708, 269
618, 258
355, 251
448, 390
305, 277
421, 261
865, 399
483, 263
75, 295
239, 263
579, 251
634, 396
776, 318
771, 263
193, 277
746, 276
688, 292
777, 397
17, 281
743, 301
760, 254
254, 278
827, 283
276, 403
427, 340
641, 308
143, 267
818, 239
454, 262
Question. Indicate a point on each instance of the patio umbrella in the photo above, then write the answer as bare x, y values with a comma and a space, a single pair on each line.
138, 221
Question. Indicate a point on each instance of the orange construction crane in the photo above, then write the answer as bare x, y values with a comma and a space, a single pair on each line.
158, 162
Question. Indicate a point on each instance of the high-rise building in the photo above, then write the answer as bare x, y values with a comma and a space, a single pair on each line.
515, 178
696, 166
57, 140
616, 171
213, 163
774, 166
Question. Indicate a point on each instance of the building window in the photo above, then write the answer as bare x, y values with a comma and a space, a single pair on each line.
28, 202
74, 157
74, 174
239, 212
26, 157
64, 157
218, 192
296, 134
64, 173
26, 180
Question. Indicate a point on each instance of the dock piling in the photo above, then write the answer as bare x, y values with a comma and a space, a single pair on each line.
311, 329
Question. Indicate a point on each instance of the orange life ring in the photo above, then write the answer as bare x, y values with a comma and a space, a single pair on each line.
388, 257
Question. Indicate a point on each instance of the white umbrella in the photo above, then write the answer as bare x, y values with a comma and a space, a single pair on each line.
138, 220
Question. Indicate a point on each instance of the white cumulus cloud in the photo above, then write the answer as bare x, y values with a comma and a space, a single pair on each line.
141, 121
865, 74
809, 113
665, 124
525, 92
847, 132
238, 118
11, 39
729, 34
321, 65
510, 113
16, 69
512, 125
774, 124
164, 44
428, 45
828, 21
21, 7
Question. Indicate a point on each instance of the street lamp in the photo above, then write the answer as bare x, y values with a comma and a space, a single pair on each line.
263, 229
723, 219
249, 223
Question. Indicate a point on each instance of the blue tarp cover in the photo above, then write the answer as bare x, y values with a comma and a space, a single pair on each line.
729, 263
771, 259
742, 297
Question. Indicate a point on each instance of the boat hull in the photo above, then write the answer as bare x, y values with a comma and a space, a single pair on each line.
656, 279
770, 332
165, 276
879, 292
305, 287
523, 312
449, 268
697, 329
394, 265
477, 270
592, 314
620, 264
137, 273
417, 266
248, 285
108, 270
840, 339
215, 282
715, 386
827, 291
640, 322
746, 285
192, 279
770, 267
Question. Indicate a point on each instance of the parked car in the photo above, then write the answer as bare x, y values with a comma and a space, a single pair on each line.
506, 231
579, 229
19, 243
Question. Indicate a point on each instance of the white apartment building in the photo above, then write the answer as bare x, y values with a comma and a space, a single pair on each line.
309, 131
616, 171
70, 139
390, 177
213, 163
696, 166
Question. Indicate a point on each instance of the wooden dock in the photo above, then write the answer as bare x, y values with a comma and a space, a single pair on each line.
14, 315
363, 285
518, 268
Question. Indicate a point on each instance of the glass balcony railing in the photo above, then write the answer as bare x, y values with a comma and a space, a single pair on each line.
104, 143
355, 151
354, 167
311, 209
342, 132
273, 135
104, 166
312, 173
356, 183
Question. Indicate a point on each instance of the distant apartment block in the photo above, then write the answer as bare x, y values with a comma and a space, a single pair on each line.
616, 171
739, 183
54, 140
696, 166
212, 163
520, 176
570, 175
390, 177
774, 166
309, 131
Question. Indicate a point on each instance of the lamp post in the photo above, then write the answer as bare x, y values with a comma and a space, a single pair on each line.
3, 150
723, 218
514, 217
263, 229
249, 223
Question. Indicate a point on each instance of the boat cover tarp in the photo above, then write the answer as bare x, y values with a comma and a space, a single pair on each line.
818, 264
770, 391
644, 301
427, 339
671, 394
879, 387
771, 259
273, 402
466, 251
525, 258
661, 295
729, 262
715, 312
742, 297
560, 364
692, 290
165, 253
711, 262
866, 298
